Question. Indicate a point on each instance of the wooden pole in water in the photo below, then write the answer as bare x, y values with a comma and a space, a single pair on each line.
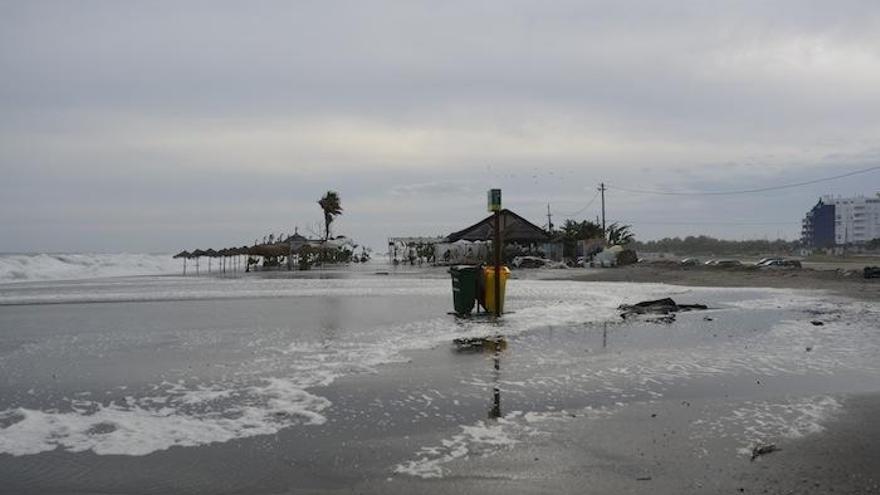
495, 206
602, 190
497, 238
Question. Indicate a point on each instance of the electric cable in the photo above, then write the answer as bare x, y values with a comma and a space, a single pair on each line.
570, 215
745, 191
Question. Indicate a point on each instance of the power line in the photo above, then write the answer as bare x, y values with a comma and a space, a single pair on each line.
570, 215
650, 222
746, 191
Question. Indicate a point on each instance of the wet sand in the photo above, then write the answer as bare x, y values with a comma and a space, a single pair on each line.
848, 283
647, 449
586, 402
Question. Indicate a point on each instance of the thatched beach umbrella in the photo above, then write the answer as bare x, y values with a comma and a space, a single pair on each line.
182, 255
235, 252
224, 253
243, 251
197, 254
210, 253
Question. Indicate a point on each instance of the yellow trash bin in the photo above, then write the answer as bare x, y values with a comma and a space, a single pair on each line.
489, 291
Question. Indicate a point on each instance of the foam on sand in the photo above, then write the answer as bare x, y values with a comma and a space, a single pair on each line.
146, 425
761, 422
484, 438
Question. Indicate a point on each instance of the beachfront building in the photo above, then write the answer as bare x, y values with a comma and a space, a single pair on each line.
837, 221
412, 250
473, 244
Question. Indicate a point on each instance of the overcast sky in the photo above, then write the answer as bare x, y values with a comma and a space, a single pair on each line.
158, 126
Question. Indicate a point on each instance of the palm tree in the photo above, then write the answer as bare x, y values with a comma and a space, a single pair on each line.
332, 207
573, 232
620, 234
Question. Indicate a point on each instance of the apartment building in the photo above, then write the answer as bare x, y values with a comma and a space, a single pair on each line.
838, 221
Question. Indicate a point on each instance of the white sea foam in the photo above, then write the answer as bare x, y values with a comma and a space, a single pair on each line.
479, 439
760, 422
485, 438
139, 426
186, 414
31, 267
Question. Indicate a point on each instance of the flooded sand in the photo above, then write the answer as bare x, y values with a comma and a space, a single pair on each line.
354, 383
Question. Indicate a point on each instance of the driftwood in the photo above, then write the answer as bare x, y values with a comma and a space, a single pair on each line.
665, 306
763, 449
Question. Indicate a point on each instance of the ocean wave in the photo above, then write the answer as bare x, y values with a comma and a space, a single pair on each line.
37, 267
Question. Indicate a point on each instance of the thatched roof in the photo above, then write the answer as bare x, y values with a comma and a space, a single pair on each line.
270, 250
514, 228
182, 254
297, 237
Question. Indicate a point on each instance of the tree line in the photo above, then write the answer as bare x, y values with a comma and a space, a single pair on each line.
702, 245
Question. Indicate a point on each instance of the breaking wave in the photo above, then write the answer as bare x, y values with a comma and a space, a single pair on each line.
36, 267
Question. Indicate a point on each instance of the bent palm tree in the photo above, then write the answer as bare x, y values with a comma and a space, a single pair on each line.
620, 234
332, 207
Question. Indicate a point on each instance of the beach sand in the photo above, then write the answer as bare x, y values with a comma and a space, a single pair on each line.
847, 282
351, 383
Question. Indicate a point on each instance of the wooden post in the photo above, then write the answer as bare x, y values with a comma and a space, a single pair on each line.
494, 204
602, 190
497, 246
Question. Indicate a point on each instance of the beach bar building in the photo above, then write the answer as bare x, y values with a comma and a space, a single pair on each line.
473, 244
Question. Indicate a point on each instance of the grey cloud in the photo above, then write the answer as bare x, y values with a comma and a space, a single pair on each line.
436, 188
207, 107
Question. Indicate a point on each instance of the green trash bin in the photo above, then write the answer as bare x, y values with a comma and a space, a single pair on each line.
464, 288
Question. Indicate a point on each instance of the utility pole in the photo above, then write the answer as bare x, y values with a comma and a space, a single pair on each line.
549, 219
602, 190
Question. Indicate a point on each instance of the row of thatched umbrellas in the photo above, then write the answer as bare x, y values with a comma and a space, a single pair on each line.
230, 258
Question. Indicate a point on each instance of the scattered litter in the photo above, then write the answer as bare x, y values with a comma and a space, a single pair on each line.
644, 478
817, 323
809, 348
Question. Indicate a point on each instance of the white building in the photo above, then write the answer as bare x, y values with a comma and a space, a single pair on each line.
856, 219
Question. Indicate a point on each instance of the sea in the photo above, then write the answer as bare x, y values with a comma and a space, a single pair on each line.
118, 374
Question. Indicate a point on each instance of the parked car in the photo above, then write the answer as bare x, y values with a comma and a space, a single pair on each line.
528, 262
765, 261
783, 263
689, 262
727, 263
535, 262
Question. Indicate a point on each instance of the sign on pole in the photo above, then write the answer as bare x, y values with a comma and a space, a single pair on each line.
494, 199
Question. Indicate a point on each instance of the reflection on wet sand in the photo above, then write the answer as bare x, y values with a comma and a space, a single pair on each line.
495, 411
496, 345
